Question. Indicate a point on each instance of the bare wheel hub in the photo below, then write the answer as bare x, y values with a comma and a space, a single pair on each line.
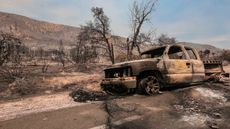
151, 85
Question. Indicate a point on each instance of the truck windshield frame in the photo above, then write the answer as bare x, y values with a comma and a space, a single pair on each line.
154, 53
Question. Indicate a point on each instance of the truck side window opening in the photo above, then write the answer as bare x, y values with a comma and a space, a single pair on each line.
191, 53
145, 56
176, 52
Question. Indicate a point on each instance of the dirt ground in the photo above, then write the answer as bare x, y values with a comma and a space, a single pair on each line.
205, 106
55, 80
195, 107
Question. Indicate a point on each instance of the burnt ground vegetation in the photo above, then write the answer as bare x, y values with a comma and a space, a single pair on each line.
32, 81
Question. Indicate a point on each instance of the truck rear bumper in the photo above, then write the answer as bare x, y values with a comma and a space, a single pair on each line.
128, 82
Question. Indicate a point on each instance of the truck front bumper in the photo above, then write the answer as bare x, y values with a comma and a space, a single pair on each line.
128, 82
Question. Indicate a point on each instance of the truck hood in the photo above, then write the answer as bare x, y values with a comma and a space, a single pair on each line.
133, 62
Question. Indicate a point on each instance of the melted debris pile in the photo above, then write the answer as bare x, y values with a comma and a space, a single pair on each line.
82, 95
203, 106
220, 78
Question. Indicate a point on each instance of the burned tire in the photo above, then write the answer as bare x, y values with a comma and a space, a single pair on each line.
150, 85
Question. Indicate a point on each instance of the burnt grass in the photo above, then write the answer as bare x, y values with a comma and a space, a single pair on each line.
32, 82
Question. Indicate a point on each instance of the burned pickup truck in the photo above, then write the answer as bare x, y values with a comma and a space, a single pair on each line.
161, 67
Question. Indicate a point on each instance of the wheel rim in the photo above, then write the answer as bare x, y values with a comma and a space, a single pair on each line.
152, 85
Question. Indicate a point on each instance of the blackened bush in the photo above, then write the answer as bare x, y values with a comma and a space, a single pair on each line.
226, 55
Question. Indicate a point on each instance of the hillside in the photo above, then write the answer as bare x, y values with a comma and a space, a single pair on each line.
35, 33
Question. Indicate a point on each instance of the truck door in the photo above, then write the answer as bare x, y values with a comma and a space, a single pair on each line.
178, 65
198, 70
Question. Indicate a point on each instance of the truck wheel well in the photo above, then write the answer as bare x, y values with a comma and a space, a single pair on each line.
147, 73
155, 73
144, 74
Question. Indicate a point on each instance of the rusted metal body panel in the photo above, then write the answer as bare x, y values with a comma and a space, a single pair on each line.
178, 71
129, 82
138, 66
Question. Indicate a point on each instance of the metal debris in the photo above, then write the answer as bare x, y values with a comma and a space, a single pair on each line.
220, 78
81, 95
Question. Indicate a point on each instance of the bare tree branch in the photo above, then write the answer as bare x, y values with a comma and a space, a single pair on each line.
102, 27
140, 14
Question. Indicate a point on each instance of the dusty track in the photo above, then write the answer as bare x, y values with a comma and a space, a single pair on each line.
11, 110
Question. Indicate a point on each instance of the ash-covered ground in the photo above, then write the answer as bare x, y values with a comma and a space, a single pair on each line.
205, 106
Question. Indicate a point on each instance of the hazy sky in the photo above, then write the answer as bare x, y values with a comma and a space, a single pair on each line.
199, 21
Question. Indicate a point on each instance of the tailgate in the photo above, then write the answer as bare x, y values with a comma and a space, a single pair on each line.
213, 67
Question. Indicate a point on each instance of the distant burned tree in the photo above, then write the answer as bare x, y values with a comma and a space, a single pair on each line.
40, 52
164, 40
95, 32
225, 55
207, 53
61, 53
213, 54
201, 54
9, 48
100, 32
140, 14
101, 28
85, 48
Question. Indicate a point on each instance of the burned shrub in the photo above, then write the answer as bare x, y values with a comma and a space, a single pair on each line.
12, 72
61, 54
10, 49
11, 53
226, 55
22, 86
